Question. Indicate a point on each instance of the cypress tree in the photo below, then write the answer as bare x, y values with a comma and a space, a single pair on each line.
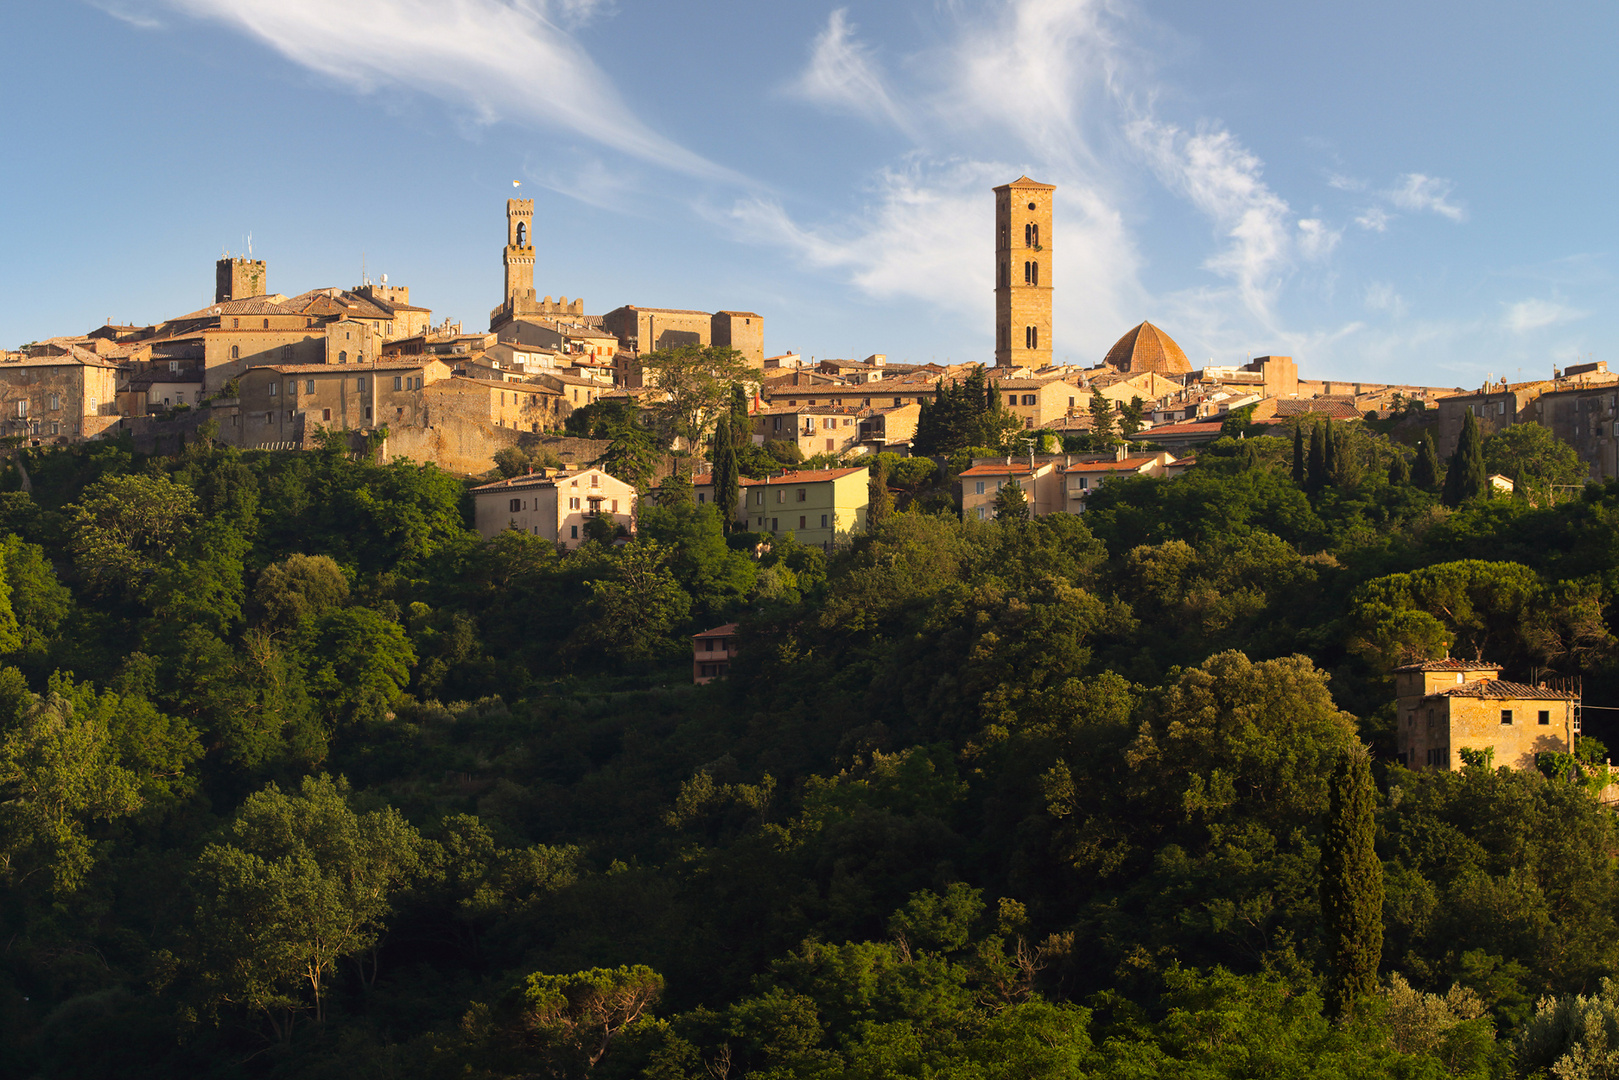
1011, 504
881, 503
1316, 472
1298, 454
1351, 885
1329, 454
1399, 469
727, 475
1345, 472
1465, 479
1101, 419
1425, 471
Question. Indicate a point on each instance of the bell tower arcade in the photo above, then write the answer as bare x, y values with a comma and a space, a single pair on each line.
520, 249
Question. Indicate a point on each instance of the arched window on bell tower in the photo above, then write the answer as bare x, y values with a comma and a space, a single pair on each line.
522, 234
1028, 236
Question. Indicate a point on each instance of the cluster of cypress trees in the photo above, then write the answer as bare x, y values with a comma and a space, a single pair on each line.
1329, 458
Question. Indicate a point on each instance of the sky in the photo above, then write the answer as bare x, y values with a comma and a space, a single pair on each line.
1386, 191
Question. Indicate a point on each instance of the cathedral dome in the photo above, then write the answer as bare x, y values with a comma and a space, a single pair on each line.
1147, 348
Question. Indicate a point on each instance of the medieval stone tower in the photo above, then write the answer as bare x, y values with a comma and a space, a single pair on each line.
236, 279
520, 249
1023, 273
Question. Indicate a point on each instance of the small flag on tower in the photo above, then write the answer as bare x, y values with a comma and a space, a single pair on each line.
517, 183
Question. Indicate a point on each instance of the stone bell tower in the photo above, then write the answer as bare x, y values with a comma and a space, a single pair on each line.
520, 249
1023, 273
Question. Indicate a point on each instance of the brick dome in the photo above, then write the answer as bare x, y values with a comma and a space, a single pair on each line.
1147, 348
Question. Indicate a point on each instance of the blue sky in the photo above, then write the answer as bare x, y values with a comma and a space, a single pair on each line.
1390, 191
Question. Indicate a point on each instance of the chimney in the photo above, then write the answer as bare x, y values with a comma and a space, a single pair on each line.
1118, 453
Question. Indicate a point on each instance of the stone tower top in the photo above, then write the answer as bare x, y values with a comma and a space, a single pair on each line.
1023, 260
237, 279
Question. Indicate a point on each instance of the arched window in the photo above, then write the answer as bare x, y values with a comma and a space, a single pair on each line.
235, 352
1031, 337
1027, 272
522, 234
1028, 236
342, 356
267, 324
1034, 279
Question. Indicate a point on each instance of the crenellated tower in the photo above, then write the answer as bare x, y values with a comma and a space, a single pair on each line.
519, 249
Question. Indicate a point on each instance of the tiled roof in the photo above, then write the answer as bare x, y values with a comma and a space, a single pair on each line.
1129, 463
1026, 183
1029, 384
1450, 665
809, 476
1337, 410
666, 310
341, 369
1501, 690
997, 470
1147, 348
1196, 427
532, 480
719, 631
251, 305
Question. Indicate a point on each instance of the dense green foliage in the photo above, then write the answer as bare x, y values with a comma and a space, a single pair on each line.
301, 777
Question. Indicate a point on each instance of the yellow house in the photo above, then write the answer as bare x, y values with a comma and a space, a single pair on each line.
553, 504
818, 506
1082, 478
1446, 706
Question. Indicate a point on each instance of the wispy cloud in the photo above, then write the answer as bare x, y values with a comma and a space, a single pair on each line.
1381, 296
1222, 179
123, 12
1536, 314
500, 59
1417, 192
1317, 239
1345, 183
842, 74
1374, 219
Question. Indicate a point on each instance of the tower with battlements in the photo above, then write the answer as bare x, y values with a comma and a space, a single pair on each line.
237, 279
520, 249
1023, 244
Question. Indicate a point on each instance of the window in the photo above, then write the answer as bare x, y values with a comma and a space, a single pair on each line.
235, 353
1031, 337
1545, 717
522, 234
1031, 206
236, 324
275, 386
342, 356
56, 402
517, 504
781, 495
775, 524
309, 386
702, 497
1028, 236
823, 521
22, 408
896, 405
286, 354
56, 428
573, 504
326, 414
978, 487
983, 513
1011, 399
368, 412
803, 494
1028, 273
575, 535
267, 324
1506, 716
1035, 267
359, 384
397, 382
615, 506
803, 521
1070, 403
1028, 399
289, 414
595, 480
829, 445
269, 418
1439, 758
1084, 483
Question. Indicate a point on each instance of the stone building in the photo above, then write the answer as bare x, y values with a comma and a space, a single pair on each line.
53, 400
814, 429
278, 404
1587, 418
1023, 277
517, 258
553, 504
1446, 706
1041, 483
712, 652
1497, 406
743, 331
1038, 402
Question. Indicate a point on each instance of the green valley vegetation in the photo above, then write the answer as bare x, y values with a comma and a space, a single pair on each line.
301, 777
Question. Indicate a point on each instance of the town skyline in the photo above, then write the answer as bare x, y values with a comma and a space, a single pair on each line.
1216, 205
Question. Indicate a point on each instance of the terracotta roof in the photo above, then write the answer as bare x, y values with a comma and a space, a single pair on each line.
788, 410
1450, 665
1025, 182
340, 369
1337, 410
1129, 463
1501, 690
997, 470
252, 305
809, 476
666, 310
1030, 384
516, 483
1195, 427
1147, 348
78, 357
719, 631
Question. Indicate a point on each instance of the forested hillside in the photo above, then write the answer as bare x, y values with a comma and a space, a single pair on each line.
299, 777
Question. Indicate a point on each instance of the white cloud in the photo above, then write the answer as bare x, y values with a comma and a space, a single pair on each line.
1535, 314
121, 11
1374, 219
1222, 179
1418, 192
1316, 239
841, 74
1345, 183
501, 59
1381, 296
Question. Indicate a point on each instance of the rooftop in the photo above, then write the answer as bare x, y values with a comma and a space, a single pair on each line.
1448, 664
809, 476
719, 631
1111, 466
1501, 690
1147, 348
